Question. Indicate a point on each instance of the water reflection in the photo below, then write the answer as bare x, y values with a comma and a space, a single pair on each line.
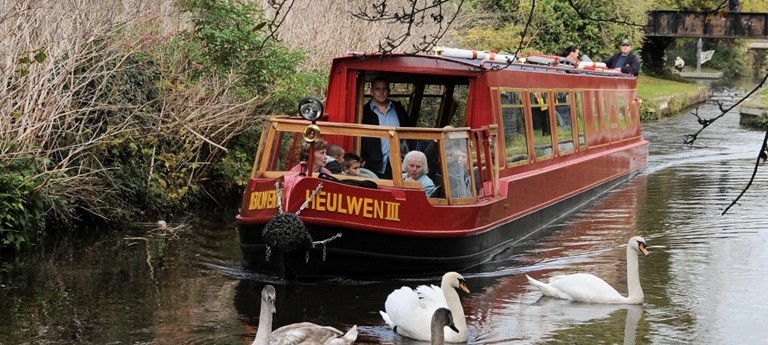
565, 321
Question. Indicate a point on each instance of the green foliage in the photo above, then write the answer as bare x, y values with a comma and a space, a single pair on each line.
556, 25
226, 31
730, 55
654, 50
234, 168
689, 5
22, 205
230, 37
26, 62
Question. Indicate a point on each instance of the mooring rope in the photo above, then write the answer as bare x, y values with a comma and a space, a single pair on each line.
278, 189
311, 197
323, 242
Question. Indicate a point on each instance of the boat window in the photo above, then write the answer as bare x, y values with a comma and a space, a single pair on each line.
459, 114
460, 179
482, 160
542, 135
429, 107
611, 115
564, 122
401, 92
622, 112
606, 111
580, 125
289, 148
430, 101
596, 119
515, 138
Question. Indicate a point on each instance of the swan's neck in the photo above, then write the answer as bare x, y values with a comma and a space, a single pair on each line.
454, 304
633, 278
438, 337
265, 325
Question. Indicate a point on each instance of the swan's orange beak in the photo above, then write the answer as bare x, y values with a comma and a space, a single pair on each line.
643, 248
463, 286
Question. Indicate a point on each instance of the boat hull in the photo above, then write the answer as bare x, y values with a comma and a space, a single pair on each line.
360, 253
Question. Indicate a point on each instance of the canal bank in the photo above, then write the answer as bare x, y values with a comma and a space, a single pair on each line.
754, 111
664, 97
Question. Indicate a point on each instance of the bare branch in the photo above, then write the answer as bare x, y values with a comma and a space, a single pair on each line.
760, 156
603, 20
416, 14
278, 18
691, 138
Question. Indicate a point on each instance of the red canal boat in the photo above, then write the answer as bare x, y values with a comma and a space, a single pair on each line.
540, 139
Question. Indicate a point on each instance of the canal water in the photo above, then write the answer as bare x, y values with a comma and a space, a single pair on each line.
704, 281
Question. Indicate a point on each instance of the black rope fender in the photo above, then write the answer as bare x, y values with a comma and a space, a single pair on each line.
287, 233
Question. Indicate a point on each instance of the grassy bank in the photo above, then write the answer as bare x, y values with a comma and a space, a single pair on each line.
662, 97
757, 100
754, 109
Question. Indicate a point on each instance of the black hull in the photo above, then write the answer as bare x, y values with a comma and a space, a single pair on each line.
361, 254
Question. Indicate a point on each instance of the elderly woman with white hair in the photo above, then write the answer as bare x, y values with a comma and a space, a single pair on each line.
415, 169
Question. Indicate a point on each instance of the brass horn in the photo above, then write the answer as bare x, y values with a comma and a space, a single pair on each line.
311, 133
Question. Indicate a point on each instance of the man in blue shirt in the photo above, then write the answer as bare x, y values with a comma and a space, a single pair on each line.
380, 110
624, 61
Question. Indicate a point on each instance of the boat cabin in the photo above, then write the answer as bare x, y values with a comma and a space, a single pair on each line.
479, 120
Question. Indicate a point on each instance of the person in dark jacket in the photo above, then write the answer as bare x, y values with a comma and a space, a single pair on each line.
624, 61
380, 110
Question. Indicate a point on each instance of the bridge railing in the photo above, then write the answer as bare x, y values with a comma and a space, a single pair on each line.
710, 24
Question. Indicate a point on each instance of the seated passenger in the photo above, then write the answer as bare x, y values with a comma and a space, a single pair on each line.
431, 149
459, 172
571, 56
335, 158
415, 169
319, 157
353, 166
540, 114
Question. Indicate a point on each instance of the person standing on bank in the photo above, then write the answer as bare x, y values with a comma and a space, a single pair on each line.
382, 111
624, 61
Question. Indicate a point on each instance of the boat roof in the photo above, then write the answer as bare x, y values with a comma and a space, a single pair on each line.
498, 62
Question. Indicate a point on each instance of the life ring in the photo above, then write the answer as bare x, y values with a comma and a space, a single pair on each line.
591, 65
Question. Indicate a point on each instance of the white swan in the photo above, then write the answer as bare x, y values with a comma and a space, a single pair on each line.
303, 333
440, 319
409, 312
584, 287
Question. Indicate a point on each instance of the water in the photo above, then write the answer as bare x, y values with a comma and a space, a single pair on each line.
703, 282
